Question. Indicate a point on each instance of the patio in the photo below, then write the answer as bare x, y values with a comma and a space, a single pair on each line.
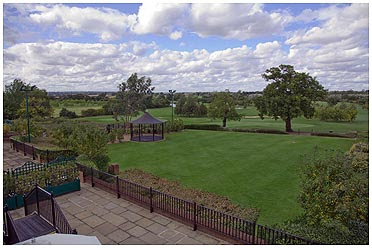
116, 221
12, 159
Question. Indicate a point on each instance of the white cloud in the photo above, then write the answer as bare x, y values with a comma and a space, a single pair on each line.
108, 24
230, 21
159, 18
236, 21
175, 35
338, 23
334, 48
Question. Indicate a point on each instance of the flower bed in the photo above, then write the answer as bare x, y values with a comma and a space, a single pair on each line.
16, 201
59, 177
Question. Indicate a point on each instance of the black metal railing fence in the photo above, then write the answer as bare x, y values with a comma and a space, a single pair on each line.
200, 217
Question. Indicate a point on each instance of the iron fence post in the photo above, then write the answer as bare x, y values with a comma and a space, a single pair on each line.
37, 200
195, 227
33, 153
254, 233
117, 187
151, 208
53, 210
91, 176
25, 204
47, 155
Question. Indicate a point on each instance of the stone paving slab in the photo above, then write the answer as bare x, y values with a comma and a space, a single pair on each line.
117, 221
12, 158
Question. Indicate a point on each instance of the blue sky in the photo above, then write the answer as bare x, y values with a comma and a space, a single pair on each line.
191, 47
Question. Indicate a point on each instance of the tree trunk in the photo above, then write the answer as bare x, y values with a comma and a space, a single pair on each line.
288, 126
224, 122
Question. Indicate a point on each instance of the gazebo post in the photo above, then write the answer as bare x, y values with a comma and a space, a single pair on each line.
153, 132
131, 131
162, 130
139, 130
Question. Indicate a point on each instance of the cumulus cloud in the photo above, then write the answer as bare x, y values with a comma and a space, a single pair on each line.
108, 24
160, 18
175, 35
334, 47
238, 21
337, 48
338, 23
230, 21
103, 66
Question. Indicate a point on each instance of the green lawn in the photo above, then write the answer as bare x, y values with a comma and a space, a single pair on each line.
259, 170
252, 121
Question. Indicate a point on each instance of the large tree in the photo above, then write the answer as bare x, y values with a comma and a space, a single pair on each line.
15, 103
132, 97
223, 106
13, 99
38, 104
289, 95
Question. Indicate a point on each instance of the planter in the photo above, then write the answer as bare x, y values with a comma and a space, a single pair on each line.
64, 188
16, 201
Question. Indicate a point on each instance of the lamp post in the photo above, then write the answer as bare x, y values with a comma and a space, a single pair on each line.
172, 92
27, 90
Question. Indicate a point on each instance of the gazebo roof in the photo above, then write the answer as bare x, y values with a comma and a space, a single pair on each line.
147, 119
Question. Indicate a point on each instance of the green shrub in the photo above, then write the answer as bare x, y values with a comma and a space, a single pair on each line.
112, 136
339, 135
342, 112
334, 197
175, 126
332, 233
94, 112
204, 127
49, 176
62, 135
120, 133
83, 140
20, 126
101, 161
66, 113
6, 129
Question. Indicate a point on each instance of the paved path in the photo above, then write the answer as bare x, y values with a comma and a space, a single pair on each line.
116, 221
12, 159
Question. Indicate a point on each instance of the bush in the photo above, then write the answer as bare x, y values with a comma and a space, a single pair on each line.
342, 112
48, 176
101, 161
333, 233
213, 127
20, 126
339, 135
94, 112
176, 126
62, 135
120, 133
334, 197
66, 113
84, 140
112, 136
6, 129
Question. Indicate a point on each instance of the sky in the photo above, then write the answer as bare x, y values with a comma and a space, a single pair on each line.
184, 47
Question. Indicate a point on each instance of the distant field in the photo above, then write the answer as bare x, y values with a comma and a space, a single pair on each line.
252, 121
259, 170
74, 105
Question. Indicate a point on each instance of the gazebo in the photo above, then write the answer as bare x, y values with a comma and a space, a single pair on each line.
146, 129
